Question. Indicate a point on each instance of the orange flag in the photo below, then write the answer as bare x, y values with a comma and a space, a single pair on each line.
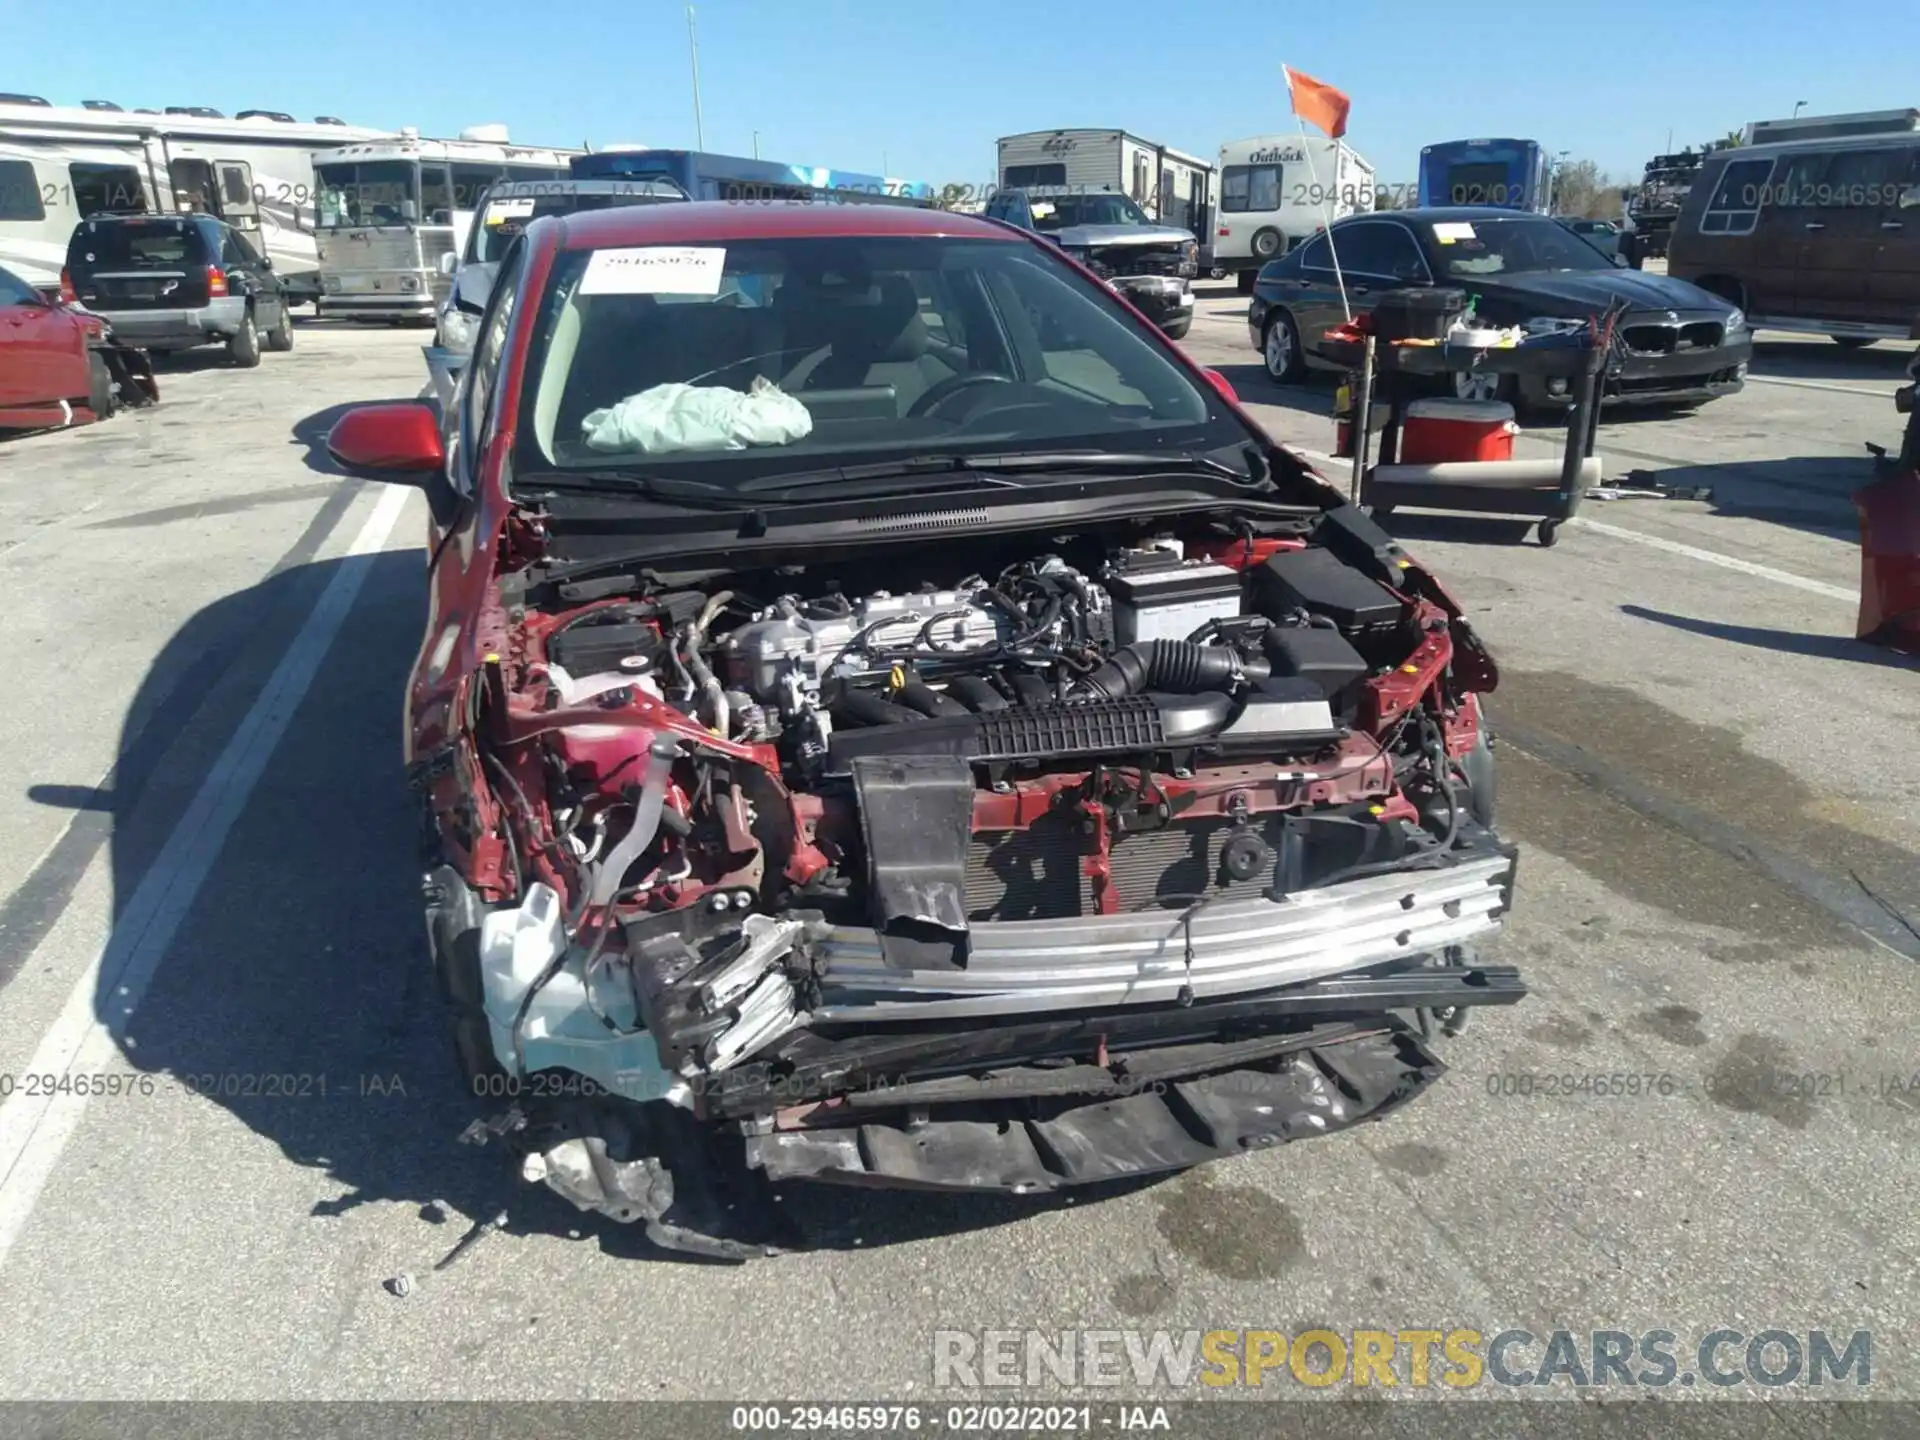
1317, 102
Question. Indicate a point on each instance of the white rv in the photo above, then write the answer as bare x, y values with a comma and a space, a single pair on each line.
59, 165
1276, 190
390, 209
1173, 188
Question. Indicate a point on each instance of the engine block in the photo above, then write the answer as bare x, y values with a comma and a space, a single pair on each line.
787, 645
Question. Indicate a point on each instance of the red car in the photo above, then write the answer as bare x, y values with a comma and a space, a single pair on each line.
886, 717
58, 364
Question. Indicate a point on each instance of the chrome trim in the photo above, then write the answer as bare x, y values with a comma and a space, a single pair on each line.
1239, 945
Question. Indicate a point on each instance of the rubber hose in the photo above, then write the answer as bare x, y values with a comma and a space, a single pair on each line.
646, 825
865, 707
977, 694
1179, 667
928, 701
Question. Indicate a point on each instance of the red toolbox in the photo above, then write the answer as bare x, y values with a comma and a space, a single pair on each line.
1440, 431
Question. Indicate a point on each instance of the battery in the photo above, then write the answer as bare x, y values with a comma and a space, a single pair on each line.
1158, 596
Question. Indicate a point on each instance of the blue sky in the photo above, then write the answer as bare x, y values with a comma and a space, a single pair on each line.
924, 87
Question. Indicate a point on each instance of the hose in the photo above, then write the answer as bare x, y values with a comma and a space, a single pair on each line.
646, 825
1177, 666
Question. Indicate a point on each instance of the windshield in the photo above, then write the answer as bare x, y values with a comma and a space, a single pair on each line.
369, 192
799, 353
1502, 246
506, 216
1058, 212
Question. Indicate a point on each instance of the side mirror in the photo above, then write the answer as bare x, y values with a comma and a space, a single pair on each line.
266, 262
398, 442
449, 262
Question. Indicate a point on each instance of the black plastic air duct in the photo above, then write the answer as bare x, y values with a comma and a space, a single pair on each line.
1180, 667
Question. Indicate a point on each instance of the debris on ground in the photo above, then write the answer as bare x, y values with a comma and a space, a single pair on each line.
1643, 485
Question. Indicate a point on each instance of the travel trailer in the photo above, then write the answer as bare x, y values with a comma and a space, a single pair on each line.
1277, 190
1173, 188
390, 209
61, 165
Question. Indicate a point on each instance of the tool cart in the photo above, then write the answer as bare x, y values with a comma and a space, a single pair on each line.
1412, 339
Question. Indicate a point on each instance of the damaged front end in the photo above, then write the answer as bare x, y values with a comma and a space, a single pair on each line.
1043, 862
131, 371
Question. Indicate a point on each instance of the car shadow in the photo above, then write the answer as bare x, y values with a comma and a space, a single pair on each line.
296, 993
191, 362
1811, 493
1818, 358
1787, 642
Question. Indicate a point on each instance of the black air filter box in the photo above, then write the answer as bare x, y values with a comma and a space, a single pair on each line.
1313, 652
1317, 580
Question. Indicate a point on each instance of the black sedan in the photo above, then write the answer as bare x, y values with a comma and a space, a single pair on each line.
1676, 343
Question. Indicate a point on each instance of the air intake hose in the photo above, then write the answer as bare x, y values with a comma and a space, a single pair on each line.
1178, 667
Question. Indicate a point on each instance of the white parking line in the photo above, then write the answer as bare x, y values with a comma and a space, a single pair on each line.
1725, 562
82, 1041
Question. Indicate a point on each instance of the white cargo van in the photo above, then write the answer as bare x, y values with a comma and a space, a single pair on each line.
1276, 190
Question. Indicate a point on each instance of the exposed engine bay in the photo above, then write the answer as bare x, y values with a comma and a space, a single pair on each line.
992, 863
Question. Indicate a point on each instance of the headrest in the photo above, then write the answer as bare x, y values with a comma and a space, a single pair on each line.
884, 324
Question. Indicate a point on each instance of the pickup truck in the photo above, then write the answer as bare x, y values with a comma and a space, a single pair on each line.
1151, 264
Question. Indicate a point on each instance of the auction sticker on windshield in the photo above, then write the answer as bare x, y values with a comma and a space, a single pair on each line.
1448, 231
654, 270
504, 210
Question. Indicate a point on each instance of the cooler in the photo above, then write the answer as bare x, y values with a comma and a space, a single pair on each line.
1440, 431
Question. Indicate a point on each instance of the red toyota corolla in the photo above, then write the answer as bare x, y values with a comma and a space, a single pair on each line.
57, 364
886, 717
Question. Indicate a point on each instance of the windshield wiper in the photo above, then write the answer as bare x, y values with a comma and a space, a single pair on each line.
932, 472
694, 494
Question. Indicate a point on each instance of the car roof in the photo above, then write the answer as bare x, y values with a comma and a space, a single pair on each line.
1445, 213
185, 217
644, 185
708, 220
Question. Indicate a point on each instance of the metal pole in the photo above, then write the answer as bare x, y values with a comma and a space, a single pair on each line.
693, 51
1362, 421
756, 144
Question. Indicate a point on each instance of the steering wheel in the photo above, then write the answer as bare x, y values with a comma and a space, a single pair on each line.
954, 385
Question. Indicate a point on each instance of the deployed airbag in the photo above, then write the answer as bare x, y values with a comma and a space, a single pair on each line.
676, 417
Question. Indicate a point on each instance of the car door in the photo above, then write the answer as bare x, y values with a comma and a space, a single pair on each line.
1716, 234
1377, 256
1312, 291
239, 258
43, 353
1842, 232
1893, 281
1791, 223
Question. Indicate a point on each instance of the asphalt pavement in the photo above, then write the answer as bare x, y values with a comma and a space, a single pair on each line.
209, 916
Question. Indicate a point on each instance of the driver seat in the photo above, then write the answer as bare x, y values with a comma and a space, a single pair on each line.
875, 342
